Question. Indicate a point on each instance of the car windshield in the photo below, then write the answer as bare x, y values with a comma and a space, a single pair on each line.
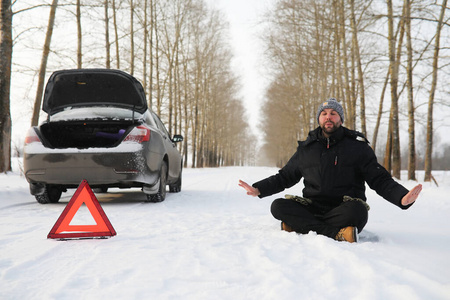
89, 113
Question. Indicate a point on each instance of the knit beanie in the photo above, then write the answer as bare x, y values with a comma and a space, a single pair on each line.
333, 104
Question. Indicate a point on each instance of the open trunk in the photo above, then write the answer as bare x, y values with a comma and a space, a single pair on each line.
84, 134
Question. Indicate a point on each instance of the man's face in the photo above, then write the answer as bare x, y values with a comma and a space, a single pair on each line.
329, 121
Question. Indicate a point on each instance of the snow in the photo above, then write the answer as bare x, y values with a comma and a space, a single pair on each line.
94, 112
124, 147
212, 241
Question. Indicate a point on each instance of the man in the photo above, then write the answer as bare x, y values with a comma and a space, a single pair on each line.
335, 163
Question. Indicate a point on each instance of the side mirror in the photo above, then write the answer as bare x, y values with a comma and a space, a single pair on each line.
177, 138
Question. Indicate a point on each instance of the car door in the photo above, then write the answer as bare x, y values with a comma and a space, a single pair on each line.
171, 148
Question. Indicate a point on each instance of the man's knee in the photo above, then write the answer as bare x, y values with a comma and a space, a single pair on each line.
357, 213
349, 213
278, 208
356, 206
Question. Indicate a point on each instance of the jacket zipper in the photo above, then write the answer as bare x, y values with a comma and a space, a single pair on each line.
328, 147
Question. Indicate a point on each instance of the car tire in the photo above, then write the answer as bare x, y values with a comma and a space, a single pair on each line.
51, 195
176, 186
161, 194
100, 190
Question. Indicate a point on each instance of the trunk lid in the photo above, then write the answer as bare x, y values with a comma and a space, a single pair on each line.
93, 87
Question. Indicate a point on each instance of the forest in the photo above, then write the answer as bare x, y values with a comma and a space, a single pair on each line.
386, 61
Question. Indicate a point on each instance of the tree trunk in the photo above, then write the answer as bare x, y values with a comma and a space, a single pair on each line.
339, 71
409, 83
150, 75
429, 142
144, 52
79, 37
6, 46
107, 43
156, 62
380, 112
43, 68
360, 70
388, 152
186, 116
393, 67
131, 37
350, 107
116, 34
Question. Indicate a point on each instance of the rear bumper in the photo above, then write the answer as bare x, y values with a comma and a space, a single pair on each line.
68, 167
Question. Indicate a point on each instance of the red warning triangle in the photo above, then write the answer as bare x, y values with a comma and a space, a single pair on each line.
62, 228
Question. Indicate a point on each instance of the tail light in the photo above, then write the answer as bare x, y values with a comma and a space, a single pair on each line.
138, 135
31, 137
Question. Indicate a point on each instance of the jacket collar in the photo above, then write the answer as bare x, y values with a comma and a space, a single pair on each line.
317, 136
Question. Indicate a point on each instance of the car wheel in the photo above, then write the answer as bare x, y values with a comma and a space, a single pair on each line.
176, 187
100, 190
51, 195
161, 194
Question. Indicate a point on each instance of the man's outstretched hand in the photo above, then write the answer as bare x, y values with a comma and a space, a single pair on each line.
408, 199
411, 197
250, 190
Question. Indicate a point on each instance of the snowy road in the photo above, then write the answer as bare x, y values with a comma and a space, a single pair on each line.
212, 241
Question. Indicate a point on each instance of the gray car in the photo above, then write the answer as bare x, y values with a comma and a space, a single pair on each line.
99, 128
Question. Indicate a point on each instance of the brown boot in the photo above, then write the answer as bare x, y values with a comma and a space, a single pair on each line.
286, 227
348, 234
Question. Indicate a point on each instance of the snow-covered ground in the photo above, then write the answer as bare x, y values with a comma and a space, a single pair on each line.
212, 241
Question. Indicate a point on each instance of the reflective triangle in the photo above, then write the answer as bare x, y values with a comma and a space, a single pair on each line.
62, 228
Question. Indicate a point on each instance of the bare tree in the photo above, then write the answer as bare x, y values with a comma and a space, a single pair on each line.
150, 75
79, 37
393, 69
357, 55
144, 53
409, 83
349, 100
380, 112
116, 33
429, 142
43, 67
131, 37
107, 43
6, 46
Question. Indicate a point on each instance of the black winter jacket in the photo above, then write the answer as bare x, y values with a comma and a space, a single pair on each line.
333, 168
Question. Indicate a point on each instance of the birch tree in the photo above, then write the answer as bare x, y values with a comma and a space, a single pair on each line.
393, 70
429, 141
409, 87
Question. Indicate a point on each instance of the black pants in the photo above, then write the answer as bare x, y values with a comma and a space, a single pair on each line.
305, 218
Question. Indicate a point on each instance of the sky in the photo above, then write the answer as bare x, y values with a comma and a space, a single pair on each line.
244, 18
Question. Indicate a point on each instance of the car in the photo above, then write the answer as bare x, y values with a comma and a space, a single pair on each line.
99, 128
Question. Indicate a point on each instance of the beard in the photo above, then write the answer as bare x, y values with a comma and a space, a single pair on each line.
330, 127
